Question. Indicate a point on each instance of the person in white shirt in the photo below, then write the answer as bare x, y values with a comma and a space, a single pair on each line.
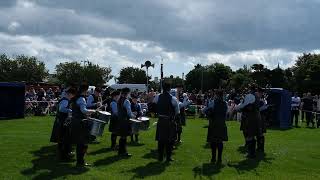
295, 104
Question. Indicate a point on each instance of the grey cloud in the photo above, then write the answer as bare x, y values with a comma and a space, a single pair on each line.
206, 26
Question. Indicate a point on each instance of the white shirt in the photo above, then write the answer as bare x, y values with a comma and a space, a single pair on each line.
248, 99
295, 102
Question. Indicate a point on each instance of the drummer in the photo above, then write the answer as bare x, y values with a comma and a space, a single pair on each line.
183, 103
124, 125
79, 128
137, 110
60, 129
114, 116
94, 99
167, 109
94, 102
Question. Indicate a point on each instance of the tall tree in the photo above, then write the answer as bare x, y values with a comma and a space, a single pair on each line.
307, 73
73, 73
208, 77
174, 81
132, 75
241, 78
260, 75
22, 68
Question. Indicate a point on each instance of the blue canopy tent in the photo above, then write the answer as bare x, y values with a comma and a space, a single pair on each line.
281, 114
12, 100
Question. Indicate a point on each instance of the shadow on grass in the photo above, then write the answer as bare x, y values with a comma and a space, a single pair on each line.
207, 170
153, 154
46, 166
275, 128
250, 164
109, 160
101, 151
151, 169
137, 144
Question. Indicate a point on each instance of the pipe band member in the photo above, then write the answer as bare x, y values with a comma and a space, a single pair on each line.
79, 128
137, 110
114, 118
167, 109
251, 121
124, 125
61, 127
94, 102
263, 107
216, 112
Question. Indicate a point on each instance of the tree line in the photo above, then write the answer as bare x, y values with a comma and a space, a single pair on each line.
303, 76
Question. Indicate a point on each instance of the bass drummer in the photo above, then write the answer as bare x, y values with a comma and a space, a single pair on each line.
137, 110
79, 128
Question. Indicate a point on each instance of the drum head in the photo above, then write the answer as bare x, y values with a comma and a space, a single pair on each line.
105, 113
135, 120
143, 119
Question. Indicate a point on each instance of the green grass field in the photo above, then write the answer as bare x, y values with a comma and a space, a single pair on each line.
25, 153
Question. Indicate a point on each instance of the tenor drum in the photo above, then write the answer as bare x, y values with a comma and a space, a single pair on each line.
96, 126
145, 123
104, 116
141, 123
135, 126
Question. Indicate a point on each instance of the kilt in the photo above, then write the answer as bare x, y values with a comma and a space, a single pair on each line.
166, 130
60, 131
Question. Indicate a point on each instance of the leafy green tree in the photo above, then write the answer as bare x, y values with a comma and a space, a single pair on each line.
208, 77
73, 73
174, 81
307, 73
22, 68
132, 75
278, 78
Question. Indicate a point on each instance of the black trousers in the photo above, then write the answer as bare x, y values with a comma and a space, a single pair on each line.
64, 150
295, 117
81, 150
309, 118
165, 147
122, 145
303, 113
113, 140
214, 147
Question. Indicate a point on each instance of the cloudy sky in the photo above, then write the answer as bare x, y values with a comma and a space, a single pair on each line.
120, 33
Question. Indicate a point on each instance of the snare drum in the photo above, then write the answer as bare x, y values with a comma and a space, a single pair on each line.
96, 126
104, 116
135, 126
145, 123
